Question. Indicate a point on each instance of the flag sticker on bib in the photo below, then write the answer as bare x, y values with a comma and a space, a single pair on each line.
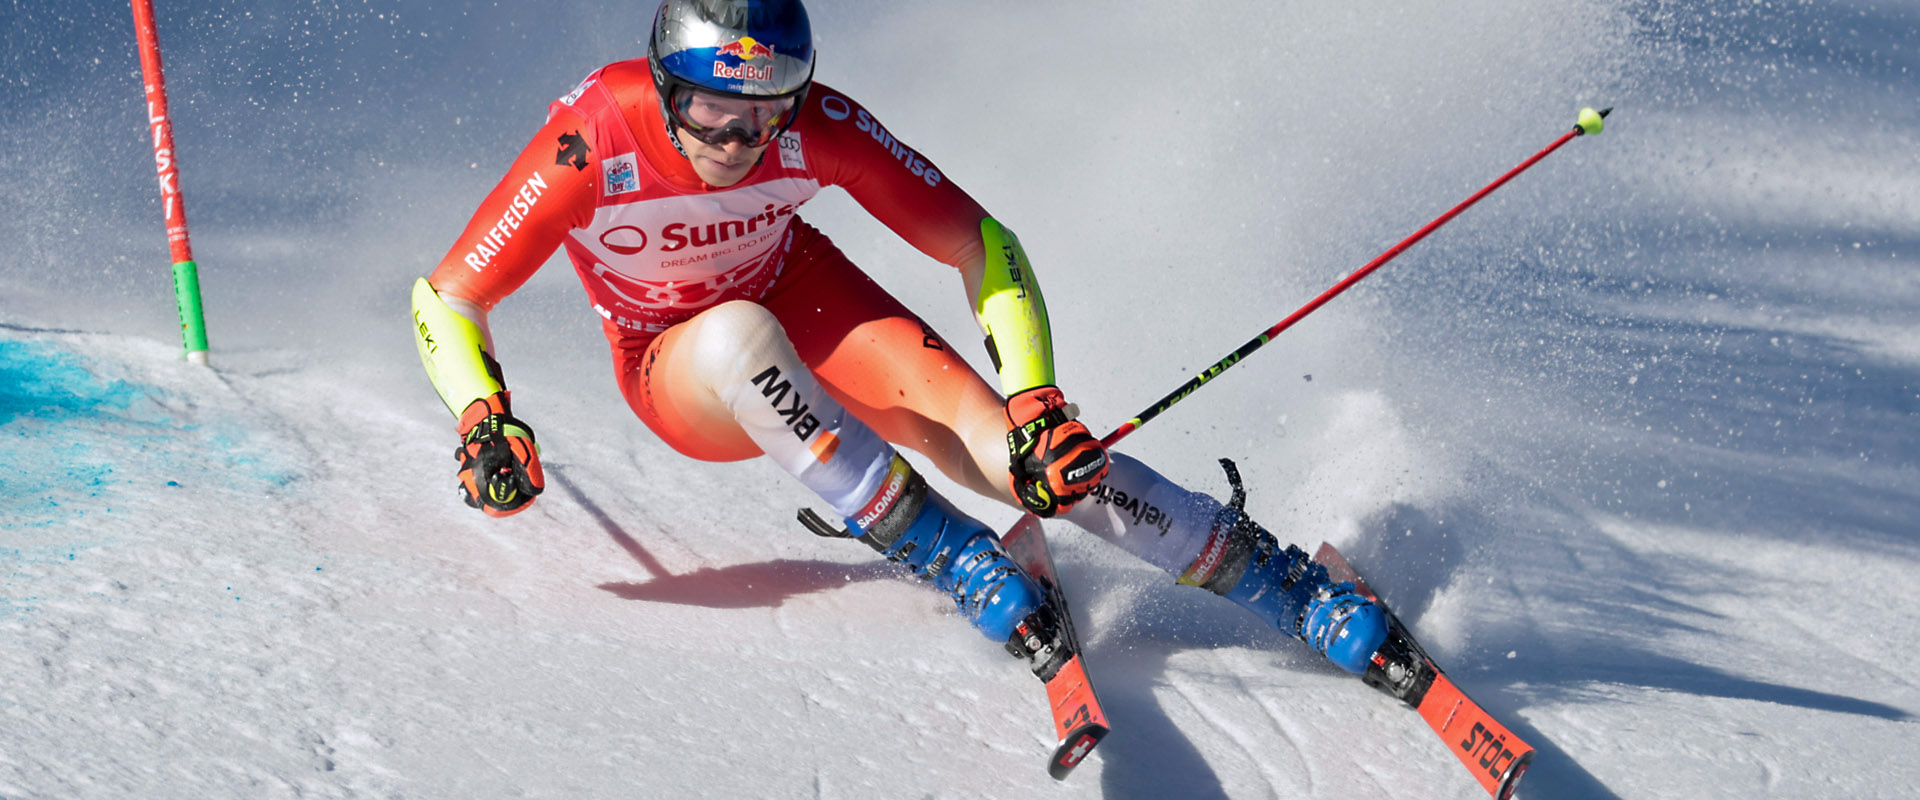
622, 175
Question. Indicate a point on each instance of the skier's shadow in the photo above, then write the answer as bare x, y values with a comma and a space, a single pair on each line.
765, 584
1409, 555
1147, 756
1409, 551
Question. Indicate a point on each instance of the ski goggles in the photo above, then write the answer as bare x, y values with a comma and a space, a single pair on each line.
715, 118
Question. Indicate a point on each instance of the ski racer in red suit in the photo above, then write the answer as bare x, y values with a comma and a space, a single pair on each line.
674, 184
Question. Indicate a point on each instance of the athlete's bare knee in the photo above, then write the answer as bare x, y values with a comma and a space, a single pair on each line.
736, 319
739, 329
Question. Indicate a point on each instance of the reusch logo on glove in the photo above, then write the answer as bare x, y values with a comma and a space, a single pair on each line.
1081, 472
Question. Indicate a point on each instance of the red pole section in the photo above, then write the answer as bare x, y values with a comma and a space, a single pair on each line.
1590, 122
1383, 258
163, 161
186, 274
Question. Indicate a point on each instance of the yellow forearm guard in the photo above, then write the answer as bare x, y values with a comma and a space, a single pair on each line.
453, 350
1013, 313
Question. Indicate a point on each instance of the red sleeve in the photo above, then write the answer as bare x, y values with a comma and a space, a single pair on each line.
548, 192
898, 186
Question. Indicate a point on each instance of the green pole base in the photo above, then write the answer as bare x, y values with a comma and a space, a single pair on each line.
193, 321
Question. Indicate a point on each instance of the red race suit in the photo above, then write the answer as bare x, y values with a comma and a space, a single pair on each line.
654, 245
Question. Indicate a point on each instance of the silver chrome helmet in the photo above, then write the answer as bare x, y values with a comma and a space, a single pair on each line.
739, 49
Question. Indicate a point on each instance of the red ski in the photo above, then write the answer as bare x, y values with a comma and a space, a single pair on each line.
1491, 753
1078, 719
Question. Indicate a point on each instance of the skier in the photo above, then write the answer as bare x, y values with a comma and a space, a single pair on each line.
739, 330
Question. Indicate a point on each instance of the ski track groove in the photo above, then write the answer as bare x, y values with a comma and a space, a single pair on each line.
1219, 723
1293, 740
819, 765
783, 624
1372, 775
280, 426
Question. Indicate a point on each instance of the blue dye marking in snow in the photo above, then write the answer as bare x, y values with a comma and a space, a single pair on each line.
47, 397
74, 444
41, 380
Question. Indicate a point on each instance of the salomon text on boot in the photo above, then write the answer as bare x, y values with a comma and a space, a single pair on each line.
911, 524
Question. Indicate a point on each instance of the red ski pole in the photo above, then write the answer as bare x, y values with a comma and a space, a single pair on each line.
186, 274
1590, 122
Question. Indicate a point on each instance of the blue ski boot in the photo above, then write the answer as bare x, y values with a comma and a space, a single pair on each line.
911, 524
1243, 563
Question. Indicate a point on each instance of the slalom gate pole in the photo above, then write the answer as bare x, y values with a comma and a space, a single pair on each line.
186, 274
1590, 122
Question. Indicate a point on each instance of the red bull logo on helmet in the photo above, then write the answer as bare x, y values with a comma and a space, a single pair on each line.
744, 72
747, 49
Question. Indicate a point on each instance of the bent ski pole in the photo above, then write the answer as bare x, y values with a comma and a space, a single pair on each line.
1590, 122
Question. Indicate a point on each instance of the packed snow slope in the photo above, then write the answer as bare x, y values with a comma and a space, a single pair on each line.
1632, 445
